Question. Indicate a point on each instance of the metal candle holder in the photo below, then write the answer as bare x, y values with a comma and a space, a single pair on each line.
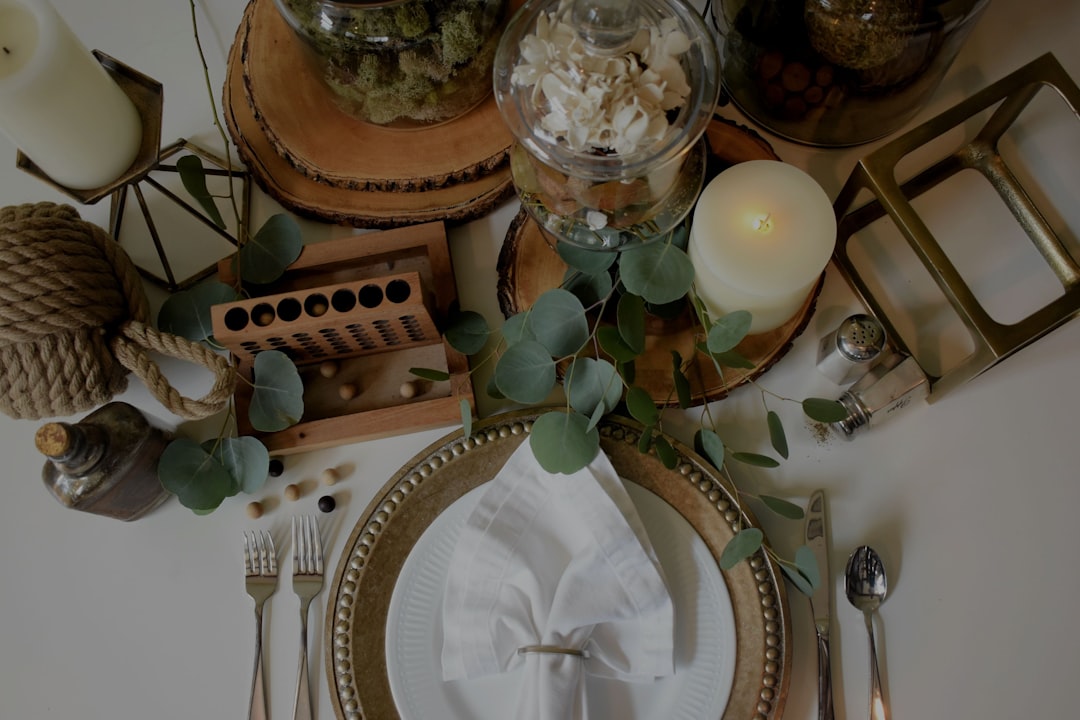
876, 173
146, 94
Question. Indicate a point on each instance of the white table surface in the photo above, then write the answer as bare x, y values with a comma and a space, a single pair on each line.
971, 501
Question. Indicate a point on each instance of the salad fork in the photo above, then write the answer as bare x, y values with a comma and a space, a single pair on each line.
260, 581
307, 582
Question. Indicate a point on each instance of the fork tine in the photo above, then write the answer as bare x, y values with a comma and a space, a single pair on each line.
271, 565
316, 536
247, 555
295, 547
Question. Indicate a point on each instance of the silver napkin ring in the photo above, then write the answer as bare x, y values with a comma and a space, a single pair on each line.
552, 650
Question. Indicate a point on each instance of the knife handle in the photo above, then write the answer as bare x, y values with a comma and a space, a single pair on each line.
825, 699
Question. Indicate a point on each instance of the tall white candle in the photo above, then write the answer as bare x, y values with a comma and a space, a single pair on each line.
58, 104
762, 233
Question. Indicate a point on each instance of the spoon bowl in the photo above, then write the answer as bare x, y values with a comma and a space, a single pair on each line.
866, 586
864, 580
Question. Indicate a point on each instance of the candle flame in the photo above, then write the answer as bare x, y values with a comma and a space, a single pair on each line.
763, 224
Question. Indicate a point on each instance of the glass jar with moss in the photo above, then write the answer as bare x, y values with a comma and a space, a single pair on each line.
401, 63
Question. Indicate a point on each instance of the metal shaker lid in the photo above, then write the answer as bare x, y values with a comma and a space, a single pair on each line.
860, 338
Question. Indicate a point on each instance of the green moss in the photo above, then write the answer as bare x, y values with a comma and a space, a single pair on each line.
460, 38
427, 60
412, 19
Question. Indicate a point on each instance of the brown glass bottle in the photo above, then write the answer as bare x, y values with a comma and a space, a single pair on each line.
106, 463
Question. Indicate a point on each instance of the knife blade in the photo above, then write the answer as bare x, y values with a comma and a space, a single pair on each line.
816, 536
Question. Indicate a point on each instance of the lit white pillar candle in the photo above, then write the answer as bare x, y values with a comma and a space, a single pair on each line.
58, 104
761, 235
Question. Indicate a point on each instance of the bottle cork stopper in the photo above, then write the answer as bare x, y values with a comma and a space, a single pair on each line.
53, 439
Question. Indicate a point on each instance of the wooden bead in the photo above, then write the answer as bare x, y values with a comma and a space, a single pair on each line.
292, 492
328, 369
254, 510
407, 389
330, 476
348, 391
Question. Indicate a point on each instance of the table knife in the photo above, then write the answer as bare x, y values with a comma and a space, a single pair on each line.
821, 601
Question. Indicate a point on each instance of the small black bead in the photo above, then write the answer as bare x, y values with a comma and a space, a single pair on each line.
276, 467
327, 503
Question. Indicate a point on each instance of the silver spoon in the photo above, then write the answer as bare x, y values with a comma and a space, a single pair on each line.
866, 587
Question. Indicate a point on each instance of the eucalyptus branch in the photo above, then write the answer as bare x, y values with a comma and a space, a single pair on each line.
214, 111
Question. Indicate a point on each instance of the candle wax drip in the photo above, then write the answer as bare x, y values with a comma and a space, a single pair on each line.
763, 224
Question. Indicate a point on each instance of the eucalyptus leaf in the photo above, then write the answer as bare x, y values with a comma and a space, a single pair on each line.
587, 261
429, 374
822, 410
659, 272
493, 390
466, 417
467, 331
187, 313
245, 458
782, 507
806, 562
612, 343
264, 258
627, 370
797, 579
594, 419
748, 458
557, 319
665, 452
713, 447
733, 359
645, 441
641, 406
589, 289
776, 434
277, 400
630, 315
591, 384
525, 373
562, 441
682, 383
516, 328
193, 176
728, 331
745, 543
188, 471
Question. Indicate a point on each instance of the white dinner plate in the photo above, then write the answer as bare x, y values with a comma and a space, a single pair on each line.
704, 632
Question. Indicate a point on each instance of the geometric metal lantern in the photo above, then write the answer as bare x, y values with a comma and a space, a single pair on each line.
146, 94
994, 341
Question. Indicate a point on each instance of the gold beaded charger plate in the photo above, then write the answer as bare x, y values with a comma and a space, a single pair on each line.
459, 201
528, 266
394, 524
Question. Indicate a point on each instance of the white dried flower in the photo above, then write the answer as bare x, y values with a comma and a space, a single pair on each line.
594, 102
596, 219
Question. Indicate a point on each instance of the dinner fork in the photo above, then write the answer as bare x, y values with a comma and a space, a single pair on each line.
260, 581
307, 582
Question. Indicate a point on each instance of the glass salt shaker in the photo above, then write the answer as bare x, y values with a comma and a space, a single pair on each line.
106, 463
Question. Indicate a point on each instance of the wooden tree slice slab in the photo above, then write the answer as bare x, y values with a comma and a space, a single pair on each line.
458, 202
303, 124
528, 266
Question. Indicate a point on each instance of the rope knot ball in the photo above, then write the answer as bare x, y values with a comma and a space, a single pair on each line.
74, 320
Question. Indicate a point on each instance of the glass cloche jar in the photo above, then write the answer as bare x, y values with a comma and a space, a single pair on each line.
401, 63
608, 101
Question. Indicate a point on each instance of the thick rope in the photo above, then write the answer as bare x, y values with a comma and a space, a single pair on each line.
74, 319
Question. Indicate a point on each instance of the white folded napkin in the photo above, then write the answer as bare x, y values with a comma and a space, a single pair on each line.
562, 562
